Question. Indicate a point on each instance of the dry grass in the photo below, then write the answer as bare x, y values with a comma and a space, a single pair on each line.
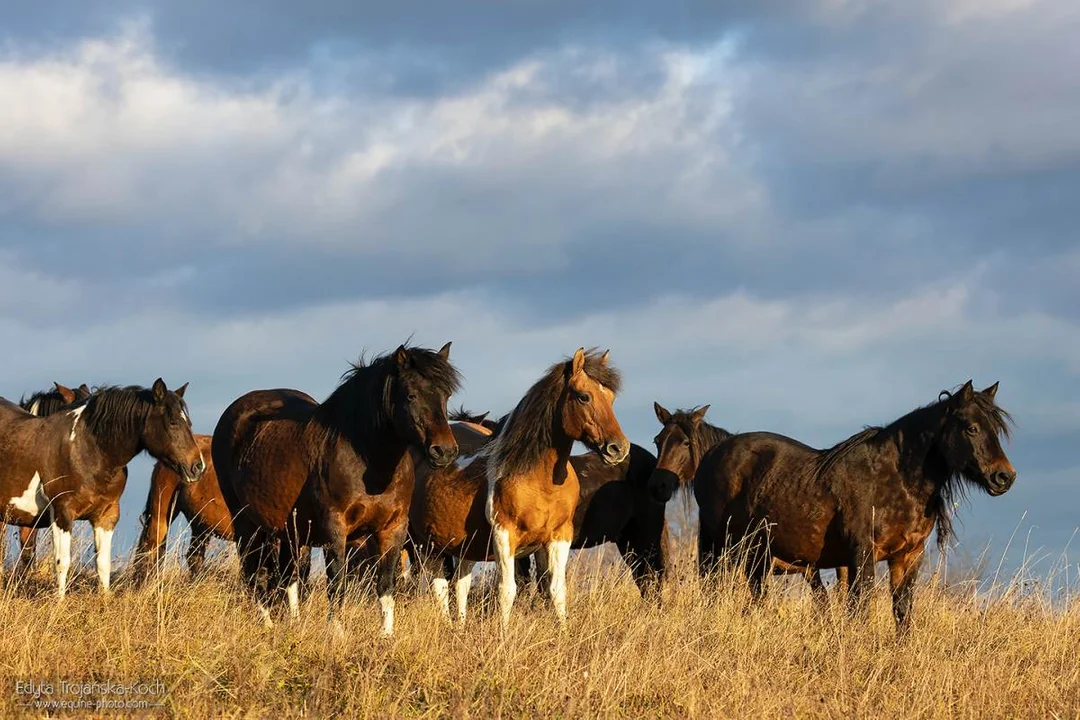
702, 654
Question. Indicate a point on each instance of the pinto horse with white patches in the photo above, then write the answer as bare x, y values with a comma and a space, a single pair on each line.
298, 473
43, 404
69, 466
520, 493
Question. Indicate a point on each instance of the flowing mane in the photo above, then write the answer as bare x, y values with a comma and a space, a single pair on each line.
115, 414
529, 428
361, 407
43, 402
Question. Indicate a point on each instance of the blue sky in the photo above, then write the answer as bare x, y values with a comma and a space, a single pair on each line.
813, 216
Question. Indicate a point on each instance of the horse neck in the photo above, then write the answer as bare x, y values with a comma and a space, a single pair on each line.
549, 460
109, 451
914, 438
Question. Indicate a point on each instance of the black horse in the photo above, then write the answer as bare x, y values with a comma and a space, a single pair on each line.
876, 496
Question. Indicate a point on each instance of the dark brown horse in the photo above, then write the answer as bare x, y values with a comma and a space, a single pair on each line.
876, 496
204, 508
70, 465
297, 473
682, 442
520, 492
42, 404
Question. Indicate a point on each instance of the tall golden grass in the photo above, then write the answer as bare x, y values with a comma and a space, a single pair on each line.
702, 653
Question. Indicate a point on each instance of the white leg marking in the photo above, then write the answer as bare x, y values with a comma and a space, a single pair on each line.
462, 585
292, 592
558, 553
103, 550
504, 559
386, 602
264, 617
62, 554
440, 588
76, 413
33, 500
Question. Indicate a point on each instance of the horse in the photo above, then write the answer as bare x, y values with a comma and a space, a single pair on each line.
298, 473
520, 492
71, 465
41, 404
681, 443
874, 497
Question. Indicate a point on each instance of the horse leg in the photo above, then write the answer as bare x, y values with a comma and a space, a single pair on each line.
861, 578
288, 575
647, 567
439, 568
818, 591
27, 552
903, 572
255, 559
104, 524
758, 568
334, 552
505, 547
543, 575
523, 571
558, 554
303, 563
707, 554
60, 526
196, 551
462, 585
388, 545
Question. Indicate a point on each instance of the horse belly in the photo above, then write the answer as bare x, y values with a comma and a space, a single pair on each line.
448, 515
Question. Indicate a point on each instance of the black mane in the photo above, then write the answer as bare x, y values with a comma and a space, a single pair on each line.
116, 415
48, 402
362, 406
950, 481
529, 429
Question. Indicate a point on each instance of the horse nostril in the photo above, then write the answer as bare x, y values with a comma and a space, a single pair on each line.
198, 467
1004, 478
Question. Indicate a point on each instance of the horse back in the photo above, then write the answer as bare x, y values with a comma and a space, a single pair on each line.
260, 455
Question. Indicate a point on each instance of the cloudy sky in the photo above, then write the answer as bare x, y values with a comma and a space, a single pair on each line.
813, 216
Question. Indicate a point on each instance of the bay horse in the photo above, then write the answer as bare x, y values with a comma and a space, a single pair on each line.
42, 404
71, 465
298, 473
684, 438
876, 496
520, 492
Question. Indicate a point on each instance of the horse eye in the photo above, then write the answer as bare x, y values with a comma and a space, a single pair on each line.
584, 397
686, 443
973, 430
412, 397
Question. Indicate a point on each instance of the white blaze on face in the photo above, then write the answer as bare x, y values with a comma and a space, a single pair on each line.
33, 500
76, 413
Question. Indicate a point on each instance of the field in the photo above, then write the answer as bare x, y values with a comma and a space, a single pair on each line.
200, 653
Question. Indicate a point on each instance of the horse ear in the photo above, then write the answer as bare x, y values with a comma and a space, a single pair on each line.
66, 393
84, 388
699, 414
180, 390
661, 413
483, 416
577, 364
401, 355
991, 391
604, 357
967, 392
159, 390
444, 352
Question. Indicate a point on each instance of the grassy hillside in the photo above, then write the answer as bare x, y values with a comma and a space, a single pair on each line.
700, 654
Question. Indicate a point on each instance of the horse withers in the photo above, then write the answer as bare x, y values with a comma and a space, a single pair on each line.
876, 496
70, 465
297, 473
519, 494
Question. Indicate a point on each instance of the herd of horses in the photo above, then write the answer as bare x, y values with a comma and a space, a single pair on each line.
380, 473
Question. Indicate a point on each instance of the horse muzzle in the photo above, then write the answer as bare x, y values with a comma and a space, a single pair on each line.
999, 482
193, 472
662, 485
439, 456
613, 453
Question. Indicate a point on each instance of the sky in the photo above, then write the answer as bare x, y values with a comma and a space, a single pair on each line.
813, 216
